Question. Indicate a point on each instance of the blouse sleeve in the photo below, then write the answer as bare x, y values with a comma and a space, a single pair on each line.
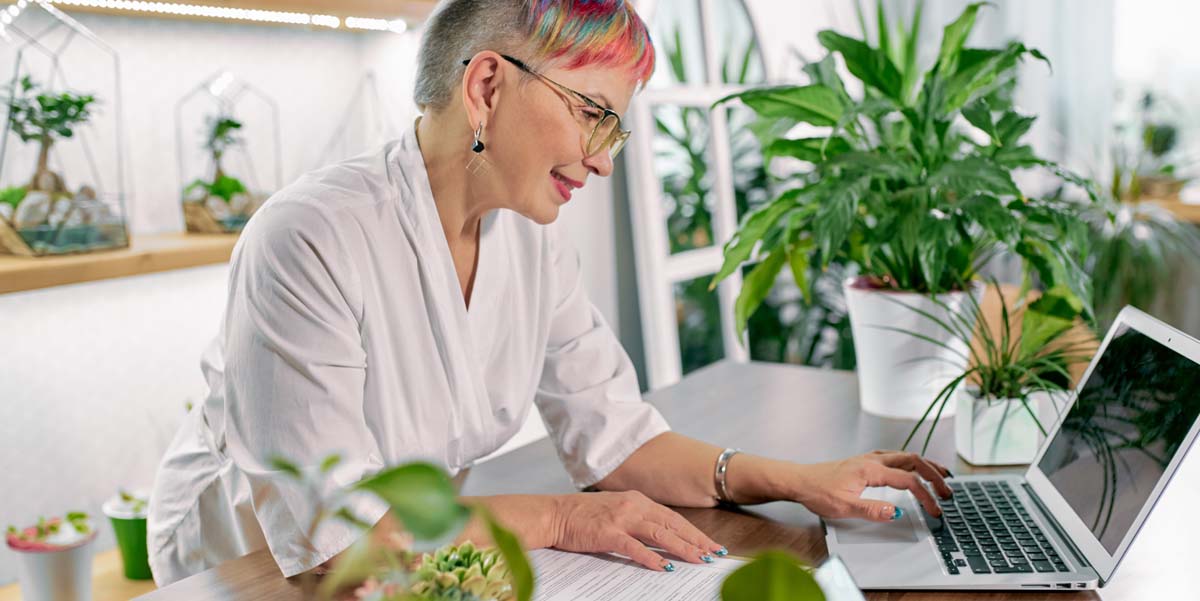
295, 372
588, 394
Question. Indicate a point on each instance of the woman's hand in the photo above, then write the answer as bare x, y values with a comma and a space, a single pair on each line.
834, 489
625, 522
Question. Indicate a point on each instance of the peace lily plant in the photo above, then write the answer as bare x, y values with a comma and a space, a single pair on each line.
911, 181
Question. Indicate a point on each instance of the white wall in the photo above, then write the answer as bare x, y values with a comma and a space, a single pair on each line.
94, 377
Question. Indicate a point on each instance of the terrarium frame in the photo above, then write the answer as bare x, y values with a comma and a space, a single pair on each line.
55, 221
205, 210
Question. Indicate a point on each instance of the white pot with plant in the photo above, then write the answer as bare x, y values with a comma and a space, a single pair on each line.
911, 182
1018, 375
55, 558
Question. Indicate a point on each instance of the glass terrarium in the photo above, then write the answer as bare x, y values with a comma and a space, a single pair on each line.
226, 132
62, 187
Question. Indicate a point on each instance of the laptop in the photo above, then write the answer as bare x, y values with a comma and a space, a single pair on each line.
1068, 520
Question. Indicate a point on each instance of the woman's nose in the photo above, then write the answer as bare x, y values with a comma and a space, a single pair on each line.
600, 163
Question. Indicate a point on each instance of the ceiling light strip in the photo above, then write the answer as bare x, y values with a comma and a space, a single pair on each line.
240, 14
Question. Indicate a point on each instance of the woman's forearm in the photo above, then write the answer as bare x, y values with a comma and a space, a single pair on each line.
676, 470
531, 517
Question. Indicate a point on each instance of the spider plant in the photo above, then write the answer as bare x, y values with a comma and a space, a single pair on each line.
1030, 349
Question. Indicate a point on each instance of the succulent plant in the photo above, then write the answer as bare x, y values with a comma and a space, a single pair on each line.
462, 573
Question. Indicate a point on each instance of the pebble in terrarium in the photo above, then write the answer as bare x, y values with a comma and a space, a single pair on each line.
220, 203
48, 215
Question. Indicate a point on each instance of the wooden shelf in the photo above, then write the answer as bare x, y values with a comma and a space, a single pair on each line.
146, 254
1186, 212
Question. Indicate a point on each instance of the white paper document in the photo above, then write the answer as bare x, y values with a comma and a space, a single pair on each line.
563, 576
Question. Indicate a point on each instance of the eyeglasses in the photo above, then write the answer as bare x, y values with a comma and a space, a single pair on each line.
606, 132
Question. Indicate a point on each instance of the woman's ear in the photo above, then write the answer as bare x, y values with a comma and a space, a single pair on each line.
481, 87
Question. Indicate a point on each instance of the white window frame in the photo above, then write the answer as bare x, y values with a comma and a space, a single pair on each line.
657, 269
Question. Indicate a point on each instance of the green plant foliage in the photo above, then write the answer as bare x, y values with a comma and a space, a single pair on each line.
1137, 250
898, 188
39, 116
771, 576
463, 569
421, 496
13, 196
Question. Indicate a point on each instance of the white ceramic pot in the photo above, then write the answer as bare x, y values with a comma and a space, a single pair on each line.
1002, 431
899, 374
63, 574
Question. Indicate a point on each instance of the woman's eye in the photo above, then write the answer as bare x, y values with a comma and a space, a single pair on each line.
591, 114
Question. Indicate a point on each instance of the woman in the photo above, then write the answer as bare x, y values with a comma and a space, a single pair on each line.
415, 302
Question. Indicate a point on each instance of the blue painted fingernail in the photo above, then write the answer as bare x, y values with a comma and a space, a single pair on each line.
706, 558
670, 567
722, 552
896, 515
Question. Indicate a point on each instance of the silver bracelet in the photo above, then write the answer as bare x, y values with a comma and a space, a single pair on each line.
719, 477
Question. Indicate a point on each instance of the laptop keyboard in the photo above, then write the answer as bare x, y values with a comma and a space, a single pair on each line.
986, 529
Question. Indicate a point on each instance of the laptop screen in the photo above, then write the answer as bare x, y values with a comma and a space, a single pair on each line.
1131, 417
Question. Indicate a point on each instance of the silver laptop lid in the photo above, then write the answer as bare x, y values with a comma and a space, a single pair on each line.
1132, 420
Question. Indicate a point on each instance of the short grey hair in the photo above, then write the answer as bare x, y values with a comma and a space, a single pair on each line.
579, 32
457, 30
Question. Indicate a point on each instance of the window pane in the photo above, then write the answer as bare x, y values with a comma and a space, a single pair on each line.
681, 164
737, 45
678, 44
787, 329
751, 185
698, 313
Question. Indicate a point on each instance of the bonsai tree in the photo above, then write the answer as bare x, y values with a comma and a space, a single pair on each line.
899, 186
221, 135
36, 115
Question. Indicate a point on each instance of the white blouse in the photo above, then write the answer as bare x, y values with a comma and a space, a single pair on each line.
345, 331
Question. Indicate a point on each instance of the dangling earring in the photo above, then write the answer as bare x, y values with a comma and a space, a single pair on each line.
478, 164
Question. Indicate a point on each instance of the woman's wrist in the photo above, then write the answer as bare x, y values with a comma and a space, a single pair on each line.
535, 519
752, 479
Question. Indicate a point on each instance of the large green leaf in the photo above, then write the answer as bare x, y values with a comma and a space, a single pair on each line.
979, 114
976, 79
753, 227
814, 103
756, 286
1011, 126
514, 557
421, 496
835, 216
974, 175
824, 72
954, 36
1048, 317
772, 576
813, 150
871, 66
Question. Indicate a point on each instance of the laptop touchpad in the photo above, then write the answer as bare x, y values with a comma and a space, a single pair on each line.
903, 530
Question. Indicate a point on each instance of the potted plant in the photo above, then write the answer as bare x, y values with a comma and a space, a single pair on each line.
43, 213
1017, 377
221, 204
127, 512
55, 558
911, 181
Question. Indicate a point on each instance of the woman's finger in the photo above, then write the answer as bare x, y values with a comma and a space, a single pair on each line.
688, 532
914, 462
629, 547
904, 480
660, 535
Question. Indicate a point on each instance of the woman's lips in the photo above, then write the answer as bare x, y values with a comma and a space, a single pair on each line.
564, 185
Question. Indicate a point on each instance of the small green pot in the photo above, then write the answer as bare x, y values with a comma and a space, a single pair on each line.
130, 529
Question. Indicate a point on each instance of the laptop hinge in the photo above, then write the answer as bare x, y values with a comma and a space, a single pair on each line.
1062, 534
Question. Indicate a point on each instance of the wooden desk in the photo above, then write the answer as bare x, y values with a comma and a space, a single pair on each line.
782, 411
